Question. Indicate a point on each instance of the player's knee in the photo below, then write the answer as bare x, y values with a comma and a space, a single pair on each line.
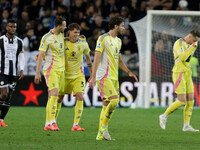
53, 92
105, 103
79, 96
60, 99
4, 96
190, 97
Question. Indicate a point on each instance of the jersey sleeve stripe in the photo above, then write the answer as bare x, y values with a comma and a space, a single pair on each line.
46, 36
103, 36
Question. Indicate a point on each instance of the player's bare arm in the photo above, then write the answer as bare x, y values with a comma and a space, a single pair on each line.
125, 69
36, 57
21, 65
89, 65
97, 58
37, 79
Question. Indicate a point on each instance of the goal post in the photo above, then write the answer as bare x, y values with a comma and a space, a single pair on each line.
156, 34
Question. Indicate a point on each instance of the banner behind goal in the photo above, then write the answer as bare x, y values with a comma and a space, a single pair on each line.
156, 34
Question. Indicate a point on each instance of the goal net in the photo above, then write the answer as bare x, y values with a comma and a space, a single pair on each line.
156, 34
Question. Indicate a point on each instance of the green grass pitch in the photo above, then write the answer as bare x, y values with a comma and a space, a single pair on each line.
132, 129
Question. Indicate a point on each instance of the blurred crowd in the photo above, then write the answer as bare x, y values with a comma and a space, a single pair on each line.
35, 17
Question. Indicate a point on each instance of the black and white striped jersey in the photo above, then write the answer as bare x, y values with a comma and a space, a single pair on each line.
9, 52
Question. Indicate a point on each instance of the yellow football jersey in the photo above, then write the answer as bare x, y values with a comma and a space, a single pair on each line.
53, 46
110, 49
182, 55
74, 57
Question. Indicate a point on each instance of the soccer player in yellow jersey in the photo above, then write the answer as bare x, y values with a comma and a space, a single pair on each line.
183, 50
52, 47
75, 47
105, 72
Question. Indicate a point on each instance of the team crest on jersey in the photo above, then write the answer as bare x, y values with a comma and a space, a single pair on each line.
99, 45
67, 48
111, 44
73, 53
55, 41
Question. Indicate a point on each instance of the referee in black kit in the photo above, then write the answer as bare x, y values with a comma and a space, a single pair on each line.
11, 51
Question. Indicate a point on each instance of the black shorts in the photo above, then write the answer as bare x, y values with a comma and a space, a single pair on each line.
8, 81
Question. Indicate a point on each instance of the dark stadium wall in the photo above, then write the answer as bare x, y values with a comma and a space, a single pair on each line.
161, 94
29, 94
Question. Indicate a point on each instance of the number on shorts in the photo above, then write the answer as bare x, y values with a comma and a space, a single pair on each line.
82, 84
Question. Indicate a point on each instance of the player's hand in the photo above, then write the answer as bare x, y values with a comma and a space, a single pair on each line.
130, 74
21, 74
37, 79
92, 82
195, 44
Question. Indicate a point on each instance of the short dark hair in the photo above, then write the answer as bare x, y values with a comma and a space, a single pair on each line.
115, 21
195, 33
11, 21
73, 26
58, 21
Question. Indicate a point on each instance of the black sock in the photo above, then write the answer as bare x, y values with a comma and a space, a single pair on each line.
4, 111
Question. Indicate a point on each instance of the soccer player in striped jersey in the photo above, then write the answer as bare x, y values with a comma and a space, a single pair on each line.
183, 50
11, 52
105, 72
75, 47
52, 48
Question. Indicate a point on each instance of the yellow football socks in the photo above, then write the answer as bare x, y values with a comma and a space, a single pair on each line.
173, 107
78, 111
188, 111
59, 105
48, 113
101, 116
109, 111
52, 107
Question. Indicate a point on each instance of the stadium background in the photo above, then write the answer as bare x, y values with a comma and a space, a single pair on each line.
35, 18
133, 129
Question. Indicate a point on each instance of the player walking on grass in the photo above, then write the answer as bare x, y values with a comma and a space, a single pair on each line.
52, 47
105, 70
11, 51
75, 47
183, 49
